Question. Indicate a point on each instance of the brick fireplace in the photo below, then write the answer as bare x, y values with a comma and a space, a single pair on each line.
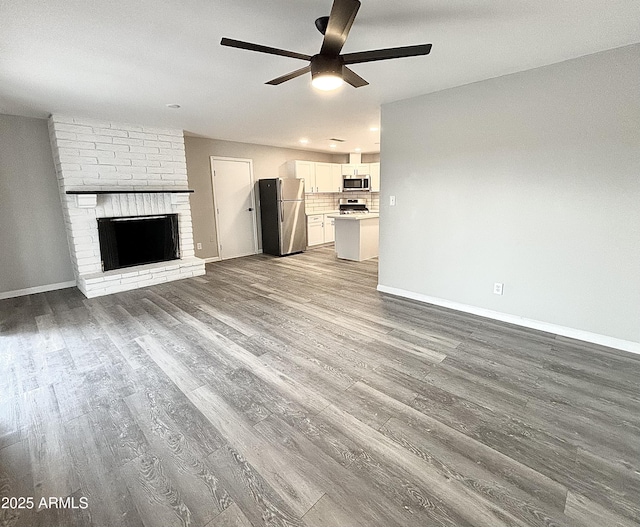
120, 170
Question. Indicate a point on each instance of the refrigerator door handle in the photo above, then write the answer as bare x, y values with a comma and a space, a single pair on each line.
281, 213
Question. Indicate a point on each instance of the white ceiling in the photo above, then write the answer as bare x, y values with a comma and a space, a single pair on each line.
125, 60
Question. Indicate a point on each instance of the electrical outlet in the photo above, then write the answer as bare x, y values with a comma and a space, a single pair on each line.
392, 201
199, 246
498, 288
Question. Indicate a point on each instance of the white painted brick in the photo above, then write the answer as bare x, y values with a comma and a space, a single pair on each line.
131, 155
70, 167
143, 135
85, 145
94, 123
130, 280
86, 255
112, 147
76, 159
88, 152
171, 152
160, 157
127, 141
158, 144
154, 177
106, 160
145, 163
145, 149
94, 138
66, 135
73, 182
96, 167
159, 170
173, 164
129, 127
62, 119
82, 239
86, 268
103, 182
177, 146
110, 132
163, 131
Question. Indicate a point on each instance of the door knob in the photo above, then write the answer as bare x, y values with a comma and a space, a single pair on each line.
250, 209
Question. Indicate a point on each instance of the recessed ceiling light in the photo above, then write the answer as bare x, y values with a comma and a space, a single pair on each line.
174, 106
304, 141
332, 146
358, 149
374, 129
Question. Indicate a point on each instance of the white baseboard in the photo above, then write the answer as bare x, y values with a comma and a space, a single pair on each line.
37, 289
578, 334
212, 259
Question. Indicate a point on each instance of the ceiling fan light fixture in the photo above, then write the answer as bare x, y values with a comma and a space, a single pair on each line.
326, 72
327, 81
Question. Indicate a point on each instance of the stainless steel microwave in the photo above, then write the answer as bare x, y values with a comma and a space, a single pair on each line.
357, 183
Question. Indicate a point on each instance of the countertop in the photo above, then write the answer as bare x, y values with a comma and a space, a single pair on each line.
356, 217
322, 212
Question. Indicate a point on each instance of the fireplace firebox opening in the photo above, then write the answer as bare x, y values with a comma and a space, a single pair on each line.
136, 240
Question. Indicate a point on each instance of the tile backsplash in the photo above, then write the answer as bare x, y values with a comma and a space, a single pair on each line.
322, 202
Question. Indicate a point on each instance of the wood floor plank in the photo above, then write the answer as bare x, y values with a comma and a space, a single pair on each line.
588, 512
16, 481
232, 516
257, 500
288, 479
109, 502
51, 462
183, 458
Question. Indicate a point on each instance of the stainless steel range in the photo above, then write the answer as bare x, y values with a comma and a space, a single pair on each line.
353, 206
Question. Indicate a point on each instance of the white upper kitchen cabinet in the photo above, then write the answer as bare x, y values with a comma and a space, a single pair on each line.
360, 169
304, 170
374, 176
324, 178
336, 175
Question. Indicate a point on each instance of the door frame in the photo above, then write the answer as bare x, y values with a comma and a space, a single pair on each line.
254, 216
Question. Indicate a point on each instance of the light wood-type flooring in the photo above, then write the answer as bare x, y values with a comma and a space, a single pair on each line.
289, 392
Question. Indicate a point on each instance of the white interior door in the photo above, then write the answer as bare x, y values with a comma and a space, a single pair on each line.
234, 202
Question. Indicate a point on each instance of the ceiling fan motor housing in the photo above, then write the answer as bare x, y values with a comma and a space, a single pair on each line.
325, 65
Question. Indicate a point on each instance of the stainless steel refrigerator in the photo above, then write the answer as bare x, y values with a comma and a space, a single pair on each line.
284, 223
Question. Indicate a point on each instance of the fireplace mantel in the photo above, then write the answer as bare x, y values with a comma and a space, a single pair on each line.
88, 198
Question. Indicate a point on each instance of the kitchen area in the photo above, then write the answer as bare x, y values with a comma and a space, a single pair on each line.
342, 203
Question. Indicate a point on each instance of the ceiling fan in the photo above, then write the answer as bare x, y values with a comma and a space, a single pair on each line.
329, 68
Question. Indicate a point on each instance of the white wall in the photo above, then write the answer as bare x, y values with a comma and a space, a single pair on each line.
531, 179
34, 254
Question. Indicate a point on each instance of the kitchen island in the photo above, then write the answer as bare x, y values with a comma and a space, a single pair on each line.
356, 235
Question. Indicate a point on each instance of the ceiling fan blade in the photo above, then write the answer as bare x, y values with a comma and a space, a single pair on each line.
343, 13
289, 76
385, 54
263, 49
353, 78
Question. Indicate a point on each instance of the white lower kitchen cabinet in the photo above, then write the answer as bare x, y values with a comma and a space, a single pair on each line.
315, 229
329, 229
